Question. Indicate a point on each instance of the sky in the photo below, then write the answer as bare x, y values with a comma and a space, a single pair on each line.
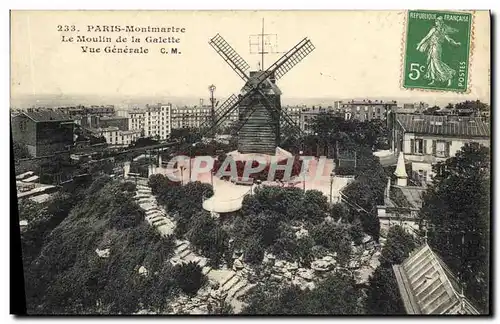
358, 54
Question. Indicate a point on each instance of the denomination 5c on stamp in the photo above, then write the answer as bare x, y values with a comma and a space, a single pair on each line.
437, 50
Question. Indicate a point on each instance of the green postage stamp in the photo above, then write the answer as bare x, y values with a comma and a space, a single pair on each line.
437, 50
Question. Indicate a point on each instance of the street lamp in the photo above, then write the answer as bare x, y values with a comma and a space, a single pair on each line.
304, 181
190, 153
317, 144
332, 176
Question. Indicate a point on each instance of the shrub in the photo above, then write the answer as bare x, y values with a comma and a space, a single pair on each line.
189, 277
254, 253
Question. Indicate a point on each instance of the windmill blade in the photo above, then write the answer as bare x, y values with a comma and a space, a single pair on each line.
229, 102
209, 123
290, 59
269, 105
228, 54
225, 110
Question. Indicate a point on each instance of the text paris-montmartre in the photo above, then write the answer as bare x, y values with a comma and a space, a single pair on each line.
134, 29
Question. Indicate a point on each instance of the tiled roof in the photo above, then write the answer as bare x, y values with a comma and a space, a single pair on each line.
445, 125
427, 286
46, 115
406, 197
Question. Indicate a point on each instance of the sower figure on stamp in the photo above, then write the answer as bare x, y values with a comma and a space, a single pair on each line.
437, 70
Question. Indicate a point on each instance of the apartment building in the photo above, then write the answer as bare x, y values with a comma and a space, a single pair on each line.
293, 112
44, 132
151, 121
308, 114
364, 110
427, 139
116, 136
80, 110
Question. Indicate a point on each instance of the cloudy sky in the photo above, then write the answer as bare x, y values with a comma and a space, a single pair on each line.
358, 54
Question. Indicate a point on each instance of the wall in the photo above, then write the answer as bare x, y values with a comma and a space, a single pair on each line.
33, 164
53, 137
25, 136
121, 123
423, 162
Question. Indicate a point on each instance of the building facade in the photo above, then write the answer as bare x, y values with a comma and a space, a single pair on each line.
151, 121
80, 110
427, 139
96, 121
308, 114
116, 136
43, 132
402, 202
364, 110
293, 112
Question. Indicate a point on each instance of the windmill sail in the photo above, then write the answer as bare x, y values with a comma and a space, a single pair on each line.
235, 61
289, 59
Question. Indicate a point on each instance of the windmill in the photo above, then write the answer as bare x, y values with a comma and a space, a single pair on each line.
259, 103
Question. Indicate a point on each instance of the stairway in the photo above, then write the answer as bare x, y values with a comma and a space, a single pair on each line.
234, 284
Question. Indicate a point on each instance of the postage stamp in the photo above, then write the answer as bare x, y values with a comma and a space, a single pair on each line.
437, 46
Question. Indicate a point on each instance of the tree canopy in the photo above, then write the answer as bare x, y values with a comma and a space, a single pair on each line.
383, 296
336, 295
67, 275
457, 209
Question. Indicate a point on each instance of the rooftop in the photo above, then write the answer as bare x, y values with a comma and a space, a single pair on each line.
371, 102
405, 197
46, 115
105, 129
112, 117
427, 286
445, 125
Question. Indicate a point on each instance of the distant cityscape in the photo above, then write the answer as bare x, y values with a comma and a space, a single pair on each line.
121, 127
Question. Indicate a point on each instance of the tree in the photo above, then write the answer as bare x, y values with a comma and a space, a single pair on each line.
208, 237
97, 140
398, 246
254, 250
367, 191
457, 209
189, 277
336, 295
431, 110
314, 206
334, 237
144, 141
68, 276
476, 106
383, 296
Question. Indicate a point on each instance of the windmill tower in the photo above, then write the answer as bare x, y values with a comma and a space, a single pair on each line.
259, 101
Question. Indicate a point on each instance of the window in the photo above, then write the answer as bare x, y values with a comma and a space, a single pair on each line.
442, 149
22, 125
417, 146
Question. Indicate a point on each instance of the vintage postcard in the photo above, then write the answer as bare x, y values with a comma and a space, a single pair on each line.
251, 162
